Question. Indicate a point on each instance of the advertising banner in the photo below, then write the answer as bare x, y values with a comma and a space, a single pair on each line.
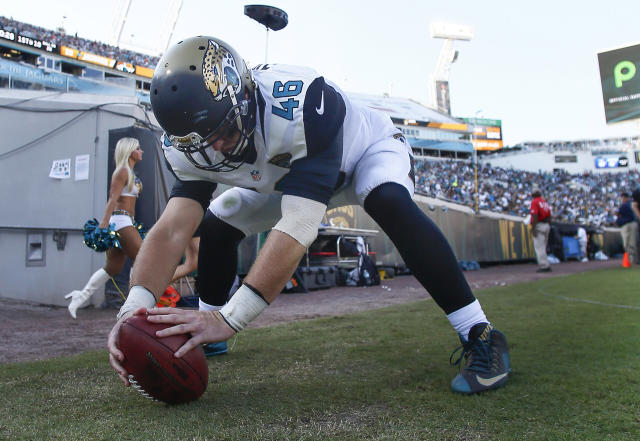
30, 74
68, 52
87, 57
96, 59
123, 66
144, 71
620, 79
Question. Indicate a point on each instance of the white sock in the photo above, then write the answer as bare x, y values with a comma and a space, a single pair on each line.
202, 306
464, 318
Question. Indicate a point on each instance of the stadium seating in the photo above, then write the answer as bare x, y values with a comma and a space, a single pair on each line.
508, 191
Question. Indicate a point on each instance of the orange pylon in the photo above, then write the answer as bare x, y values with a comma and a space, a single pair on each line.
625, 261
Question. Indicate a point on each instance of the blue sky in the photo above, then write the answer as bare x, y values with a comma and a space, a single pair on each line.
531, 64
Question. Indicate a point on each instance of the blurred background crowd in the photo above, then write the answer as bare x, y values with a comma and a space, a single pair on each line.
62, 39
587, 198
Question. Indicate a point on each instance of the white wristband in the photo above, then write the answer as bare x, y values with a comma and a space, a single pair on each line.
138, 297
244, 306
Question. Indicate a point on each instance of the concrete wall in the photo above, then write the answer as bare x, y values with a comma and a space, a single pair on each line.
38, 128
486, 237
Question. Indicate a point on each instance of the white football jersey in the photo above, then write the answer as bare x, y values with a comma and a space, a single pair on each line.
308, 137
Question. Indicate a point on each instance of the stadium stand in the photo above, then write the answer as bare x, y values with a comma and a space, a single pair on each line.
59, 38
587, 198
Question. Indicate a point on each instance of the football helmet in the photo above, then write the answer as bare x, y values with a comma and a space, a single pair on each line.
202, 92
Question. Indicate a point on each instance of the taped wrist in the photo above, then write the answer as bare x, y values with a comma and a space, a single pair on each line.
138, 297
300, 218
245, 305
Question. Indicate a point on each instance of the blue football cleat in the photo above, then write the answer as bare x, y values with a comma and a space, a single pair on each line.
212, 349
486, 361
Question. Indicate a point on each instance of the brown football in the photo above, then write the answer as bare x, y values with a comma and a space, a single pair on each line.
152, 368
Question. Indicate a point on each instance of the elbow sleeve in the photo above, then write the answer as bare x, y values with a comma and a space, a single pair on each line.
300, 218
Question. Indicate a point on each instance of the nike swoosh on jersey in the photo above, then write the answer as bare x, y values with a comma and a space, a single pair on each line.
320, 109
490, 381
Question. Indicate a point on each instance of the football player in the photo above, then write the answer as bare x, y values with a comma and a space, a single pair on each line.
292, 145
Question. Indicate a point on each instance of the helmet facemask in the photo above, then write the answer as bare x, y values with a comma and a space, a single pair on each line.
235, 129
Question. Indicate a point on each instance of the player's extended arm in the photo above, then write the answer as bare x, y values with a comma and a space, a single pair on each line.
275, 264
162, 249
155, 263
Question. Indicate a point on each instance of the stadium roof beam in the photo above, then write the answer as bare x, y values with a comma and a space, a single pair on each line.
170, 20
439, 82
119, 20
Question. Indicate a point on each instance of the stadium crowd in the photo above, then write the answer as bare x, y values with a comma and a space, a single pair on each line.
587, 198
81, 44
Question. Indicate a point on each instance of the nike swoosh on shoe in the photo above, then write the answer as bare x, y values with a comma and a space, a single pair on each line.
488, 382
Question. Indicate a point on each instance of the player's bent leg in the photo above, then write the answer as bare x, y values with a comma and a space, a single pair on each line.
233, 215
217, 259
217, 264
427, 253
421, 244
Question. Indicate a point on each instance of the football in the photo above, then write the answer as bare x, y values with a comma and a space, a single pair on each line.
152, 368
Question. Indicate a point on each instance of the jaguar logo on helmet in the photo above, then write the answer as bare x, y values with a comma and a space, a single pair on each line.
220, 71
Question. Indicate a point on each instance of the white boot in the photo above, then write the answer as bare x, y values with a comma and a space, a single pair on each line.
79, 298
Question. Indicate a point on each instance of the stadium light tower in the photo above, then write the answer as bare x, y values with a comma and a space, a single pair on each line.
271, 17
439, 83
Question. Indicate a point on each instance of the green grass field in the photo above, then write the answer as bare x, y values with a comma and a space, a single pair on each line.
380, 375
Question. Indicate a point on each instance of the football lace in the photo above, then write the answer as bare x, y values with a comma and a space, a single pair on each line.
139, 388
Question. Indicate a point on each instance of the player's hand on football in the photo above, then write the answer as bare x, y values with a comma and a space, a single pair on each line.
116, 357
204, 326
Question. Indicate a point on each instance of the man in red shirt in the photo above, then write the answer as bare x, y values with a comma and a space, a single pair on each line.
540, 218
